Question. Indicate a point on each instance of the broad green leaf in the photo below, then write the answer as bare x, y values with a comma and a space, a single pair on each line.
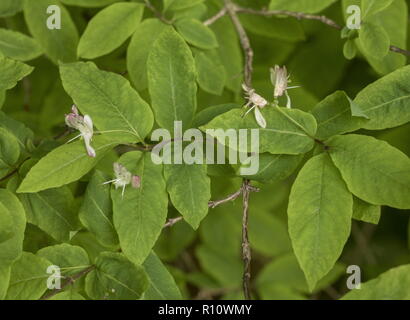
366, 212
52, 211
17, 129
288, 131
334, 116
5, 270
88, 3
320, 213
99, 39
189, 189
273, 167
207, 114
374, 40
197, 11
67, 295
162, 285
171, 78
196, 33
370, 7
28, 278
11, 249
386, 101
96, 211
139, 49
11, 72
373, 170
115, 278
211, 72
18, 46
10, 7
175, 5
390, 285
9, 152
6, 224
64, 164
140, 215
58, 44
306, 6
70, 259
109, 99
89, 243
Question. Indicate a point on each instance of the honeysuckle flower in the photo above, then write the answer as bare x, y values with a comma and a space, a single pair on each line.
123, 178
280, 80
84, 125
255, 102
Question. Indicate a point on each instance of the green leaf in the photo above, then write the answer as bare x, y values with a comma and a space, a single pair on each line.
196, 33
366, 212
96, 211
11, 249
386, 101
67, 295
10, 7
88, 3
115, 278
18, 130
18, 46
52, 211
64, 164
334, 116
139, 49
109, 100
207, 114
373, 170
211, 72
162, 284
171, 78
11, 72
374, 39
175, 5
189, 189
4, 280
288, 131
370, 7
140, 215
6, 224
390, 285
98, 38
320, 212
306, 6
28, 278
349, 49
9, 152
58, 44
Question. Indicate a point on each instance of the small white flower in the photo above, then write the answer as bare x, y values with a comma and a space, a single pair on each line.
123, 178
84, 125
255, 102
280, 80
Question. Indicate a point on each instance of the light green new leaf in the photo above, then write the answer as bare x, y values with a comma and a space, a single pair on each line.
307, 6
139, 49
28, 278
162, 284
373, 170
11, 249
374, 40
366, 212
88, 3
58, 44
10, 7
108, 99
115, 278
176, 5
18, 46
11, 72
140, 215
9, 152
70, 259
67, 295
99, 39
196, 33
171, 78
96, 211
288, 131
334, 116
349, 49
64, 164
6, 224
189, 189
320, 213
52, 211
391, 285
211, 72
386, 101
370, 7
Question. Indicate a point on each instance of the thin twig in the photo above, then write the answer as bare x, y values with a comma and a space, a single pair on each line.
71, 280
246, 248
216, 17
171, 222
158, 14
